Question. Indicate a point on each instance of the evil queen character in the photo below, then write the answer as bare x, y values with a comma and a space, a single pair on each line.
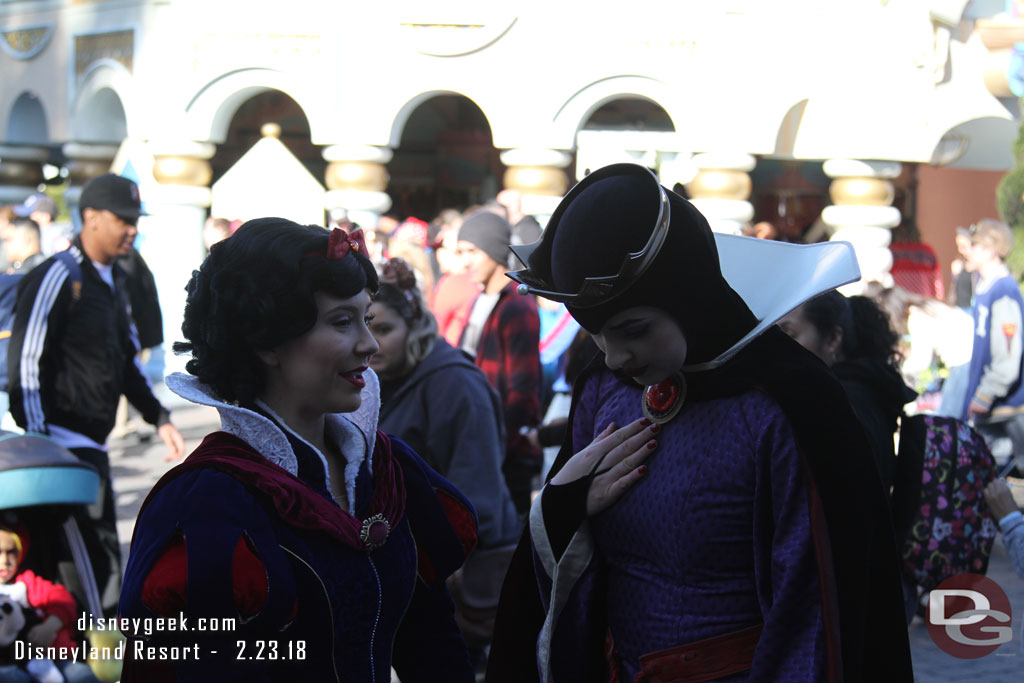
715, 512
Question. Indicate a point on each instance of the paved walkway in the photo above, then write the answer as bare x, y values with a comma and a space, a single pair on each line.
1005, 665
137, 465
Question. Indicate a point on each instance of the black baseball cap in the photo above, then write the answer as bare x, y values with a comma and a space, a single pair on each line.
113, 193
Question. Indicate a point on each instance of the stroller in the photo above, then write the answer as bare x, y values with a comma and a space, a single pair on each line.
42, 485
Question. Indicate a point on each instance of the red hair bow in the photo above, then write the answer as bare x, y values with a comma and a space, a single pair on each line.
341, 242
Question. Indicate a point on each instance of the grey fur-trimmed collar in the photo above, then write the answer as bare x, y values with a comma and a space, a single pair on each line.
354, 433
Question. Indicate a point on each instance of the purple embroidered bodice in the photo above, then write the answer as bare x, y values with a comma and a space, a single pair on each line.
715, 538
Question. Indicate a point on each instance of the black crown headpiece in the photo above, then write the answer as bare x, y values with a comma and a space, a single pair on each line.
536, 278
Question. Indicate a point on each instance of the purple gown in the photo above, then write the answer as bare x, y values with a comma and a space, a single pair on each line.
717, 537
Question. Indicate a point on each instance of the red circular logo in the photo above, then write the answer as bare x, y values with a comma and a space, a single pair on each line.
969, 616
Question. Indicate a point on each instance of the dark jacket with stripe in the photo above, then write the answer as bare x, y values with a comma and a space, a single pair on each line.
69, 362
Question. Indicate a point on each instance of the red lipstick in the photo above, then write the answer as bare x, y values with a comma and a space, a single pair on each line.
634, 372
355, 377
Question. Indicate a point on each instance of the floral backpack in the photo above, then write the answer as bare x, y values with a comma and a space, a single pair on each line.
942, 523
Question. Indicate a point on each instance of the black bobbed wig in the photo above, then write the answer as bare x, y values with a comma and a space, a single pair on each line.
608, 216
255, 291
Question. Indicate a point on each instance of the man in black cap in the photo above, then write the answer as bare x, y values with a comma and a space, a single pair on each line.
72, 355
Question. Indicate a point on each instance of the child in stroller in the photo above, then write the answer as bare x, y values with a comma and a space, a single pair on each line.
46, 604
41, 487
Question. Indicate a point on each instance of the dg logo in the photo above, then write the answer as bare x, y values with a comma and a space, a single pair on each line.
969, 616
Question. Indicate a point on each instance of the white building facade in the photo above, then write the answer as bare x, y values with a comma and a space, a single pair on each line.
866, 86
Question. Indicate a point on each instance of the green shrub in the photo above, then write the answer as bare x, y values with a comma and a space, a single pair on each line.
1010, 199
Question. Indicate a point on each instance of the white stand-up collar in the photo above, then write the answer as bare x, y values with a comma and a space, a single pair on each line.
773, 278
354, 433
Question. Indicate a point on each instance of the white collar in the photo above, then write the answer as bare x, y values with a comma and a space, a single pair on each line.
773, 278
354, 433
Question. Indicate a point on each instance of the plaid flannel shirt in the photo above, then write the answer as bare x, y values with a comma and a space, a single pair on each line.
509, 355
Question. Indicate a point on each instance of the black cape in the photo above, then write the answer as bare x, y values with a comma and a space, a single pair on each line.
877, 393
860, 565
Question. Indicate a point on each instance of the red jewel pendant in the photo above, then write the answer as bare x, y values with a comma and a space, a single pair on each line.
662, 401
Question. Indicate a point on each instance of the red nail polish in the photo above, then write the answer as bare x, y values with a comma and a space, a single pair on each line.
644, 422
651, 445
643, 470
655, 428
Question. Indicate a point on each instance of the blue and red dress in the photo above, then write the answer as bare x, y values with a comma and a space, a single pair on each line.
246, 529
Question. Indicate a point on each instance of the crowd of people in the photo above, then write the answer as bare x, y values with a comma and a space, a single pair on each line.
599, 466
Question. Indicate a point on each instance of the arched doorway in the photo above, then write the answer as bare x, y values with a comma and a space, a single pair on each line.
101, 119
790, 194
446, 159
30, 158
271, 106
27, 123
98, 127
630, 113
625, 128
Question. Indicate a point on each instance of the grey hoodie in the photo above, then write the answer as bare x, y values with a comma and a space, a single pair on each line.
451, 417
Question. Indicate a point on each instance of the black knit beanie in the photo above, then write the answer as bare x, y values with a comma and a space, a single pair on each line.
488, 232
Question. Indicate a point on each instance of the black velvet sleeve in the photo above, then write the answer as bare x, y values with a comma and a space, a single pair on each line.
564, 507
553, 433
